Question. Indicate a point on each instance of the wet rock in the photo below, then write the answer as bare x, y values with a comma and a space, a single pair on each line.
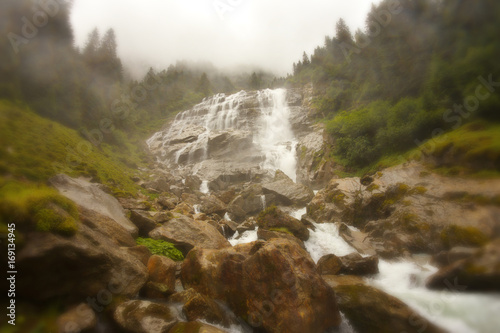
78, 319
445, 258
371, 310
130, 203
92, 197
268, 235
186, 233
274, 219
87, 263
351, 264
143, 221
159, 185
212, 205
195, 327
229, 228
144, 317
141, 252
357, 239
273, 285
479, 272
287, 192
249, 224
162, 270
168, 202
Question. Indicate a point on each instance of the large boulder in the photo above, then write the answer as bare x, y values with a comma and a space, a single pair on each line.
481, 271
161, 277
186, 233
268, 235
87, 264
92, 197
287, 192
274, 219
272, 285
143, 220
212, 205
196, 306
351, 264
369, 309
144, 317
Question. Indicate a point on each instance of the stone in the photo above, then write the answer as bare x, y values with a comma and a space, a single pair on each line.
273, 285
144, 317
369, 309
143, 221
445, 258
274, 219
162, 270
186, 233
90, 196
195, 327
141, 252
287, 192
479, 272
268, 235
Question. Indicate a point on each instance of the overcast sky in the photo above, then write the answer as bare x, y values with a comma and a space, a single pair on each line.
271, 34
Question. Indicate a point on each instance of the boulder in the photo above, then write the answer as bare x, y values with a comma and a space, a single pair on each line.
351, 264
141, 252
195, 327
274, 219
479, 272
445, 258
268, 235
357, 239
273, 285
92, 197
287, 192
80, 318
130, 203
168, 202
196, 306
162, 270
143, 221
212, 205
369, 309
87, 263
249, 224
186, 233
144, 317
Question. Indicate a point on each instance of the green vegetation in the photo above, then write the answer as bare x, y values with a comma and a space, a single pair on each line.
271, 211
44, 208
36, 148
383, 95
282, 229
161, 247
454, 235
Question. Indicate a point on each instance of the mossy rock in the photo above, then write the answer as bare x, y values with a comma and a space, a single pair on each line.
37, 207
454, 235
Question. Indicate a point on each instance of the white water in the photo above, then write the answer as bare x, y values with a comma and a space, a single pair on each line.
204, 187
273, 135
456, 312
276, 137
197, 209
263, 201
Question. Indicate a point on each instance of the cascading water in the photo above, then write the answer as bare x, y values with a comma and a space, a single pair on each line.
249, 127
456, 312
275, 137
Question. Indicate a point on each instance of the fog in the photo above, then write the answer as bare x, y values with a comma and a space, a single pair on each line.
227, 33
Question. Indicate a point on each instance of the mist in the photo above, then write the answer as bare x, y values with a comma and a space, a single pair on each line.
255, 34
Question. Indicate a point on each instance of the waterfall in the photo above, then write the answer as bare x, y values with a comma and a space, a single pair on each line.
204, 187
263, 201
263, 117
276, 137
197, 209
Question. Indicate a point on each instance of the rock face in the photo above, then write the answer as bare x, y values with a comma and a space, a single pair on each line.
481, 271
87, 263
144, 317
371, 310
92, 197
161, 277
273, 285
287, 192
186, 233
405, 209
351, 264
274, 219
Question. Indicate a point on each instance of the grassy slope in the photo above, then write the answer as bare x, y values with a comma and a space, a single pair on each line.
36, 148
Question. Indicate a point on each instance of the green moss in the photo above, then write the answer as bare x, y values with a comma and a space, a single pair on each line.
418, 190
455, 235
336, 197
269, 211
282, 229
372, 187
37, 149
161, 247
44, 208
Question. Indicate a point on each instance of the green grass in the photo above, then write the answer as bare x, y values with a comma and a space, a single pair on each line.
36, 148
29, 205
161, 247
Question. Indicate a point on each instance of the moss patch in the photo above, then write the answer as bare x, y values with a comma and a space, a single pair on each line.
30, 205
455, 235
282, 229
161, 247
